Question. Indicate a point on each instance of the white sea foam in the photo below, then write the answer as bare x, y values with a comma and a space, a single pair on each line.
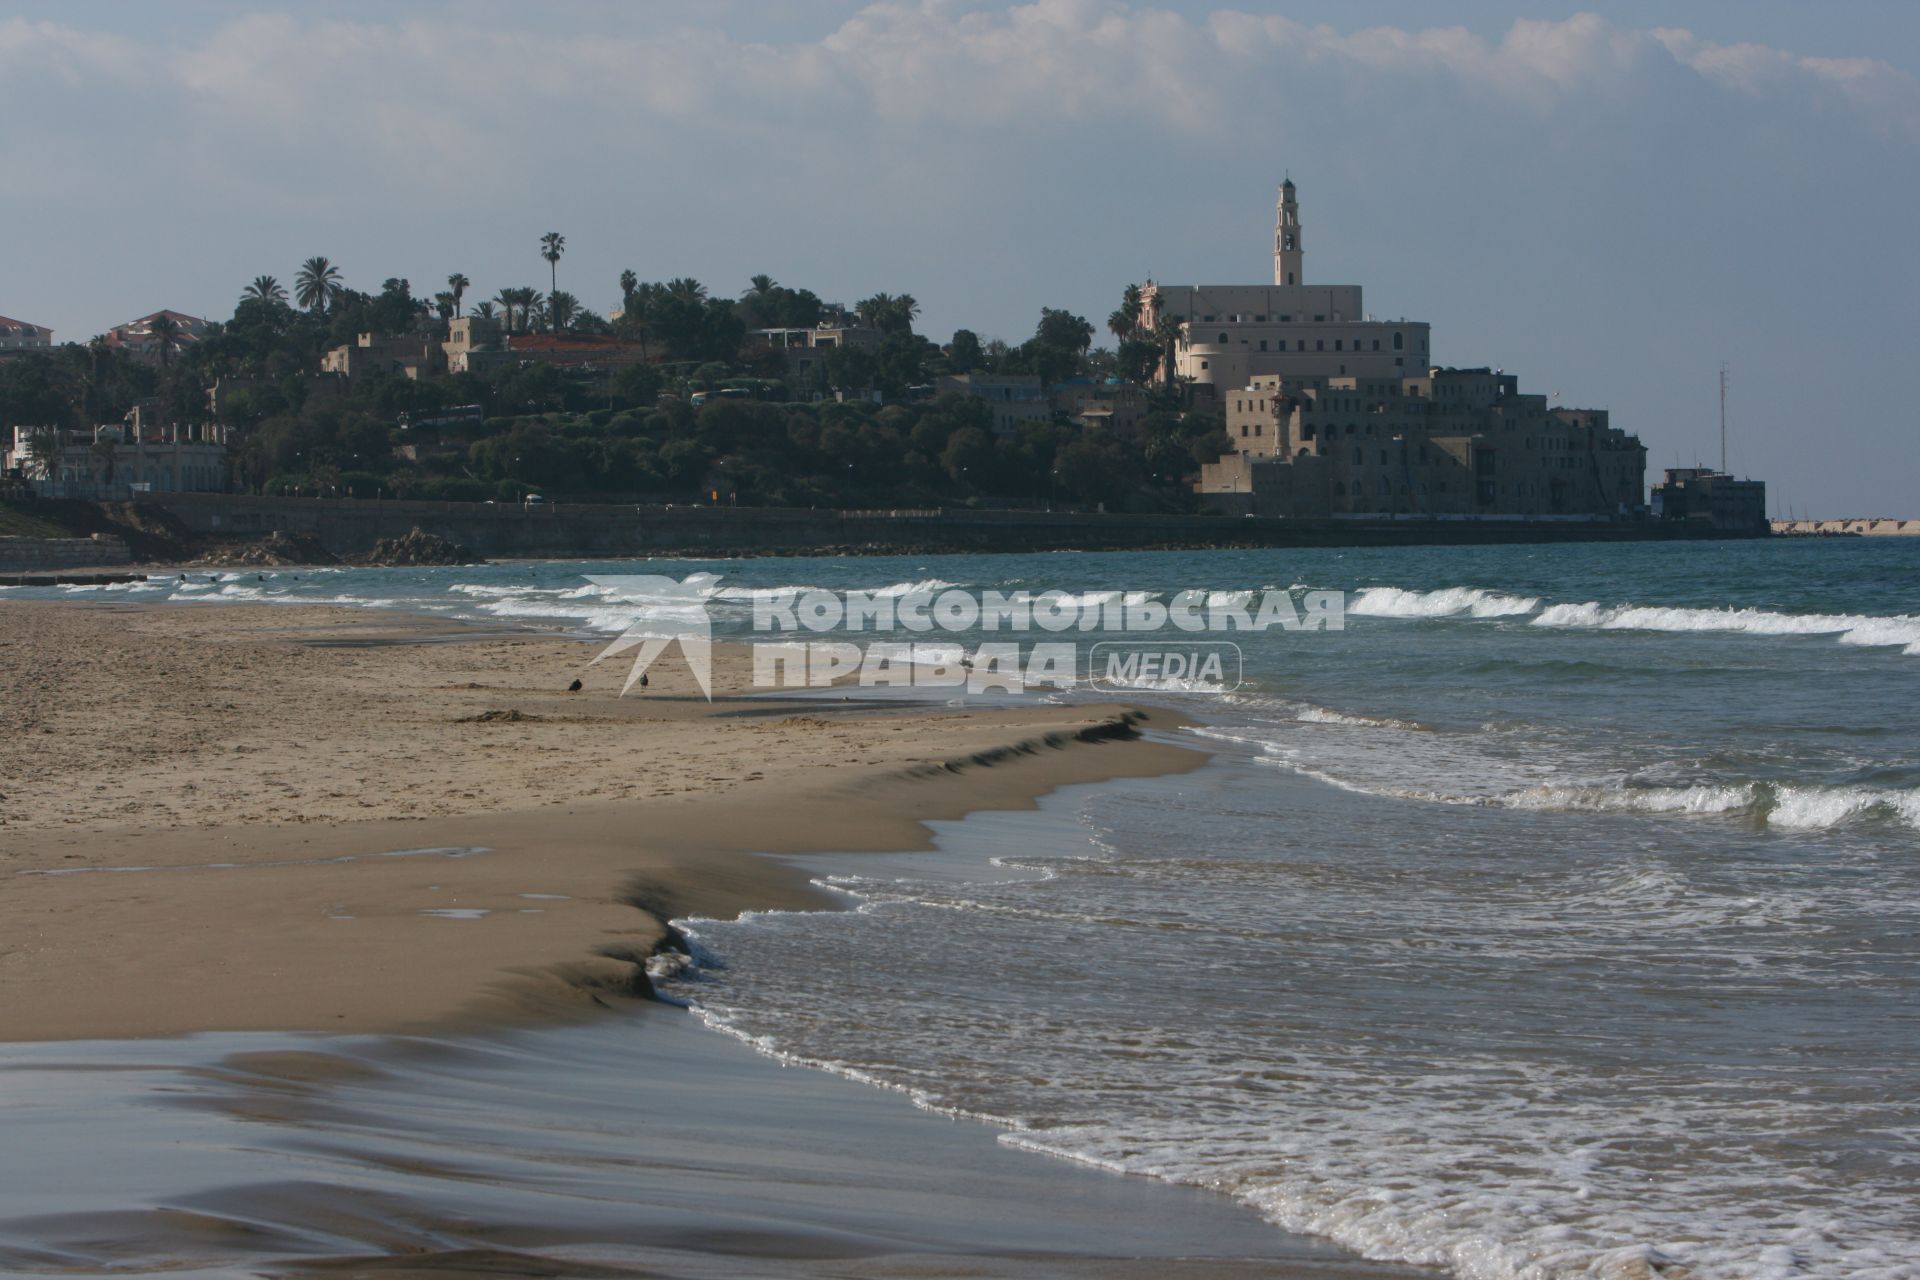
1855, 629
1447, 602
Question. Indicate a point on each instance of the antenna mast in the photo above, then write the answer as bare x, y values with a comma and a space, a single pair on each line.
1723, 417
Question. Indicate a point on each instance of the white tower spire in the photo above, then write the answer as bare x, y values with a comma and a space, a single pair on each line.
1286, 238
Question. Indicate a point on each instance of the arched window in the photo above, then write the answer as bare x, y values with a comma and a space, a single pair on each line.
1223, 339
1398, 341
1385, 487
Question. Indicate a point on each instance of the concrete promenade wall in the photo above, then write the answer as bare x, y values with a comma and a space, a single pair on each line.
34, 555
346, 526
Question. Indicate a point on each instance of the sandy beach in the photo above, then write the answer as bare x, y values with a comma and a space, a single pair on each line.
300, 818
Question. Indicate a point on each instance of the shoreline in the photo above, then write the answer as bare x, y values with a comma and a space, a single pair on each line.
161, 927
309, 905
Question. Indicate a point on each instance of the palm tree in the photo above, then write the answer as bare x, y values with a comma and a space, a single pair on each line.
484, 310
906, 309
1166, 332
445, 303
552, 245
458, 284
506, 300
43, 450
317, 285
686, 289
265, 289
165, 330
562, 307
628, 283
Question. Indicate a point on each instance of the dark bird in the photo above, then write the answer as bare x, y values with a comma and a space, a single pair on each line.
574, 687
643, 682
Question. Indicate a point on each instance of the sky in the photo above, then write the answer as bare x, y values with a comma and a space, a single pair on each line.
1609, 202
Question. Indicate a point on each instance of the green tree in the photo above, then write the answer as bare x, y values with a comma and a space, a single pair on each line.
317, 284
458, 284
562, 307
964, 353
266, 289
552, 245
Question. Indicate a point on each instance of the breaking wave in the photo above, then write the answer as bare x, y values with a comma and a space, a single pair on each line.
1447, 602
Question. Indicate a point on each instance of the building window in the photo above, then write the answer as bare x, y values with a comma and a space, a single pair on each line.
1205, 365
1359, 457
1263, 344
1223, 339
1259, 319
1319, 319
1319, 344
1339, 345
1376, 344
1397, 341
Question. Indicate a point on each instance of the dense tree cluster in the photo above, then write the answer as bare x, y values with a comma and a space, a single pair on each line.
862, 427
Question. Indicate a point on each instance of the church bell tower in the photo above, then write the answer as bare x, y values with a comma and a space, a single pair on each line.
1286, 238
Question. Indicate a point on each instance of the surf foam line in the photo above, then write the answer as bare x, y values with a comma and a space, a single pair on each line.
1867, 630
1900, 631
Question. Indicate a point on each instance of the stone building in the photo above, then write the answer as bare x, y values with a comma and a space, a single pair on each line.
1712, 497
1231, 334
1335, 414
408, 354
1449, 442
805, 350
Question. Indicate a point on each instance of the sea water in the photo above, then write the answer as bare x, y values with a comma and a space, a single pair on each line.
1558, 916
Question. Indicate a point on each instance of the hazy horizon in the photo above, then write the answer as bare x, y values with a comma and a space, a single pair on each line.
1609, 207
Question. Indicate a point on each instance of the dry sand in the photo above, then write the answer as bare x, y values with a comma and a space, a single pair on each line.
251, 764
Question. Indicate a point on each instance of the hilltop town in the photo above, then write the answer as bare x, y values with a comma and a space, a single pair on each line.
1286, 400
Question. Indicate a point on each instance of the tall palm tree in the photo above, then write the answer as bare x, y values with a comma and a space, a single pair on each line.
1166, 332
265, 289
906, 309
507, 301
317, 284
562, 307
458, 285
166, 331
552, 245
445, 304
628, 283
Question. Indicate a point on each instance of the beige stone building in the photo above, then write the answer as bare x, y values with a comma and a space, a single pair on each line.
1231, 334
1447, 442
1335, 414
411, 356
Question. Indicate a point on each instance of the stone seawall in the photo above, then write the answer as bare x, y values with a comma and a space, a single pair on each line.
345, 526
36, 555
